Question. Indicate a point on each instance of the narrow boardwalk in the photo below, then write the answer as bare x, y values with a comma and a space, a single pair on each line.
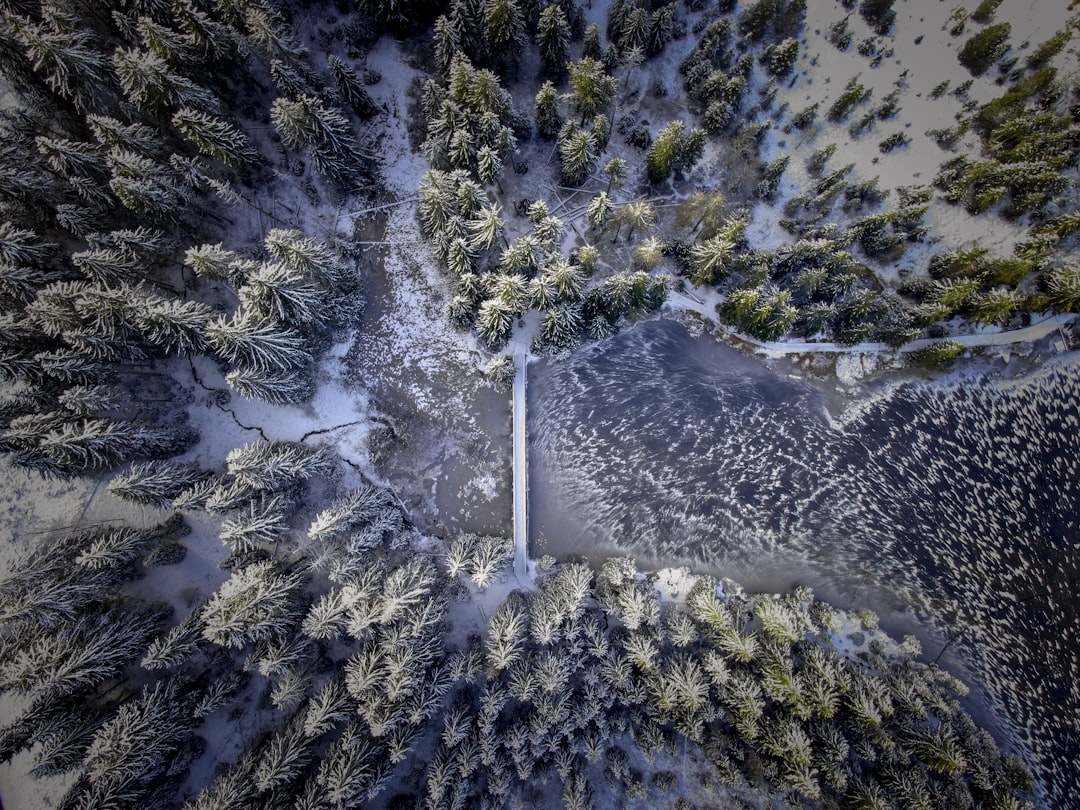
521, 476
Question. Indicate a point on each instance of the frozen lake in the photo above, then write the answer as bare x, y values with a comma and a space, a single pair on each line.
948, 508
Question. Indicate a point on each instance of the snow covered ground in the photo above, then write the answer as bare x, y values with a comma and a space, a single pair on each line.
400, 396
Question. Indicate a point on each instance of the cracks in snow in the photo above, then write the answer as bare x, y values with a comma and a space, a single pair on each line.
213, 399
319, 432
231, 413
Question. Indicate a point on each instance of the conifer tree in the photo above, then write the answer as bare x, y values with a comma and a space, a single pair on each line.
548, 120
599, 209
215, 262
994, 306
577, 151
67, 60
156, 483
674, 149
486, 227
980, 52
591, 44
351, 513
636, 214
165, 43
136, 746
447, 42
107, 266
661, 28
208, 39
351, 89
272, 387
504, 29
779, 59
568, 279
265, 28
79, 219
593, 87
308, 257
74, 159
287, 79
493, 322
262, 522
257, 602
216, 138
155, 87
1062, 285
306, 123
560, 328
879, 15
273, 466
146, 186
553, 38
283, 295
80, 655
175, 327
46, 588
137, 138
284, 756
249, 340
88, 443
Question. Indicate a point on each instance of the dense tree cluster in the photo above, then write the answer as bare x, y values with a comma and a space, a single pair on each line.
587, 697
329, 644
471, 122
1030, 142
124, 158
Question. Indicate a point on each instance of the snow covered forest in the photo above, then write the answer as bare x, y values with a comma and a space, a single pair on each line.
196, 206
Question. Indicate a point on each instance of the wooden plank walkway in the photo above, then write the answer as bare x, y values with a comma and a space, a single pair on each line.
521, 474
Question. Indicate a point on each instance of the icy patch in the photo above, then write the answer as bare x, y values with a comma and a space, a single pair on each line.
851, 368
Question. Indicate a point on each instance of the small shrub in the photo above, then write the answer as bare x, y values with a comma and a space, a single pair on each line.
985, 48
938, 355
853, 95
879, 15
894, 141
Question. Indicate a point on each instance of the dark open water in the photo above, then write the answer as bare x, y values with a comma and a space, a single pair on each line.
948, 508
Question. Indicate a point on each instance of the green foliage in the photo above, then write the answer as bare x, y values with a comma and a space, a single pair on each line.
1042, 55
764, 312
983, 49
673, 149
548, 119
577, 152
709, 260
840, 34
779, 59
593, 87
782, 18
984, 12
553, 38
853, 95
156, 483
1062, 287
805, 117
307, 123
560, 329
504, 29
937, 355
1035, 87
894, 142
479, 558
771, 174
351, 88
879, 15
